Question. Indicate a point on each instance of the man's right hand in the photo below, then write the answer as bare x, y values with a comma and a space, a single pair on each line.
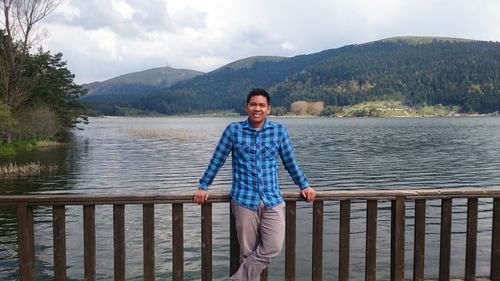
200, 196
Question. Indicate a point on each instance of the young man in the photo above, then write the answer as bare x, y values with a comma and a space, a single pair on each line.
257, 203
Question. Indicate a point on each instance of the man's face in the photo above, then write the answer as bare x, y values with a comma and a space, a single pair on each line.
257, 109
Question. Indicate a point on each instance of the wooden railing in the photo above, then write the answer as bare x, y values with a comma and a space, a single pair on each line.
398, 199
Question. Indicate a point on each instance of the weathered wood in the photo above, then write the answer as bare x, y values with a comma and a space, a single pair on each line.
148, 241
234, 246
26, 242
471, 240
398, 239
26, 237
344, 243
371, 241
206, 242
445, 240
495, 242
290, 240
59, 235
264, 275
119, 241
218, 197
89, 242
419, 240
317, 241
178, 241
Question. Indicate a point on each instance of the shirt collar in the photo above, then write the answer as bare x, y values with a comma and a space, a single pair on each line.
247, 124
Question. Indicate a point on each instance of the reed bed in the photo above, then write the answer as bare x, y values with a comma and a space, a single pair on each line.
164, 134
26, 169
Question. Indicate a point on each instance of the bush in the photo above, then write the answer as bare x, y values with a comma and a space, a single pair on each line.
7, 124
38, 123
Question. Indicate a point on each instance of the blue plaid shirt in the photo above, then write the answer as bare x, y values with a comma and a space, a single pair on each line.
255, 172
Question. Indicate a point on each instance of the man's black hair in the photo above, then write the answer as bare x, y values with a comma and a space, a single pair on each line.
259, 92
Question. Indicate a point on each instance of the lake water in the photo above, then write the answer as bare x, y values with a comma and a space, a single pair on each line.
140, 155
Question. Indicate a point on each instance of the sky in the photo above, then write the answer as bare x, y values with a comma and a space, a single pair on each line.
102, 39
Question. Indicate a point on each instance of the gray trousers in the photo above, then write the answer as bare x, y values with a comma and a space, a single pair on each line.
260, 235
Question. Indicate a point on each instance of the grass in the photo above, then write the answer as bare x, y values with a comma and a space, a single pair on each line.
26, 169
26, 145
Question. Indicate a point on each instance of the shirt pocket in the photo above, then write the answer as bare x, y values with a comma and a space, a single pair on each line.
243, 152
271, 151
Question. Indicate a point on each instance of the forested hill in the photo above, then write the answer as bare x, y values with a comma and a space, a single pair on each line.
416, 70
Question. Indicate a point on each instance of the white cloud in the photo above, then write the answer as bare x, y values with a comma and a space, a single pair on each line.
288, 46
124, 9
189, 18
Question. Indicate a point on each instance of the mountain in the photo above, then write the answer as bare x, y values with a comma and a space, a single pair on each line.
126, 88
418, 71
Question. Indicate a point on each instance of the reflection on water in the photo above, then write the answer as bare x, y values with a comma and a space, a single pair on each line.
127, 155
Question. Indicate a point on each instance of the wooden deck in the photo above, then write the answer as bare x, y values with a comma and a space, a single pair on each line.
398, 199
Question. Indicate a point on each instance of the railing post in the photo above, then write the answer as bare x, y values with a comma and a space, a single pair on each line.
119, 241
445, 240
206, 242
59, 234
471, 240
148, 225
317, 241
26, 242
344, 243
234, 246
178, 242
264, 274
89, 242
290, 240
371, 241
419, 240
495, 241
398, 239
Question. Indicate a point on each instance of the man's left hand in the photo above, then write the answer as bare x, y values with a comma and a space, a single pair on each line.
309, 194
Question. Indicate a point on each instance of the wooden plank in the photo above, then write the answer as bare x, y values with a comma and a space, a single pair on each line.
178, 241
344, 243
26, 242
206, 242
495, 241
317, 241
234, 246
119, 242
471, 240
217, 197
290, 240
148, 225
59, 236
264, 275
445, 240
419, 240
371, 241
398, 239
89, 242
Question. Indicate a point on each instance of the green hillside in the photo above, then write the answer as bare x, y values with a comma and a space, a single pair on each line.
418, 71
108, 96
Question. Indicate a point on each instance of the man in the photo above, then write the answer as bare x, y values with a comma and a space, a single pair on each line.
257, 203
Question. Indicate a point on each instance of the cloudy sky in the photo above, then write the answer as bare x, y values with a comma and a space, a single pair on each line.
102, 39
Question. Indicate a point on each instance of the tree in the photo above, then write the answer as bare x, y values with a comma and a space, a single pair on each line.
19, 35
19, 22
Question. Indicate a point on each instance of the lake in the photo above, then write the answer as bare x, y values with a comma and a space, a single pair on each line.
167, 154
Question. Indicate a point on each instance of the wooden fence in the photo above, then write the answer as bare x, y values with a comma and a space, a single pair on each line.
398, 198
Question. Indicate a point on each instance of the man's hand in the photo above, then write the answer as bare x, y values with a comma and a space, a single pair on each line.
200, 196
309, 194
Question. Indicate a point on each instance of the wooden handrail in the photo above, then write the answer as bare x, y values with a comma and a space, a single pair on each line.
24, 206
219, 197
